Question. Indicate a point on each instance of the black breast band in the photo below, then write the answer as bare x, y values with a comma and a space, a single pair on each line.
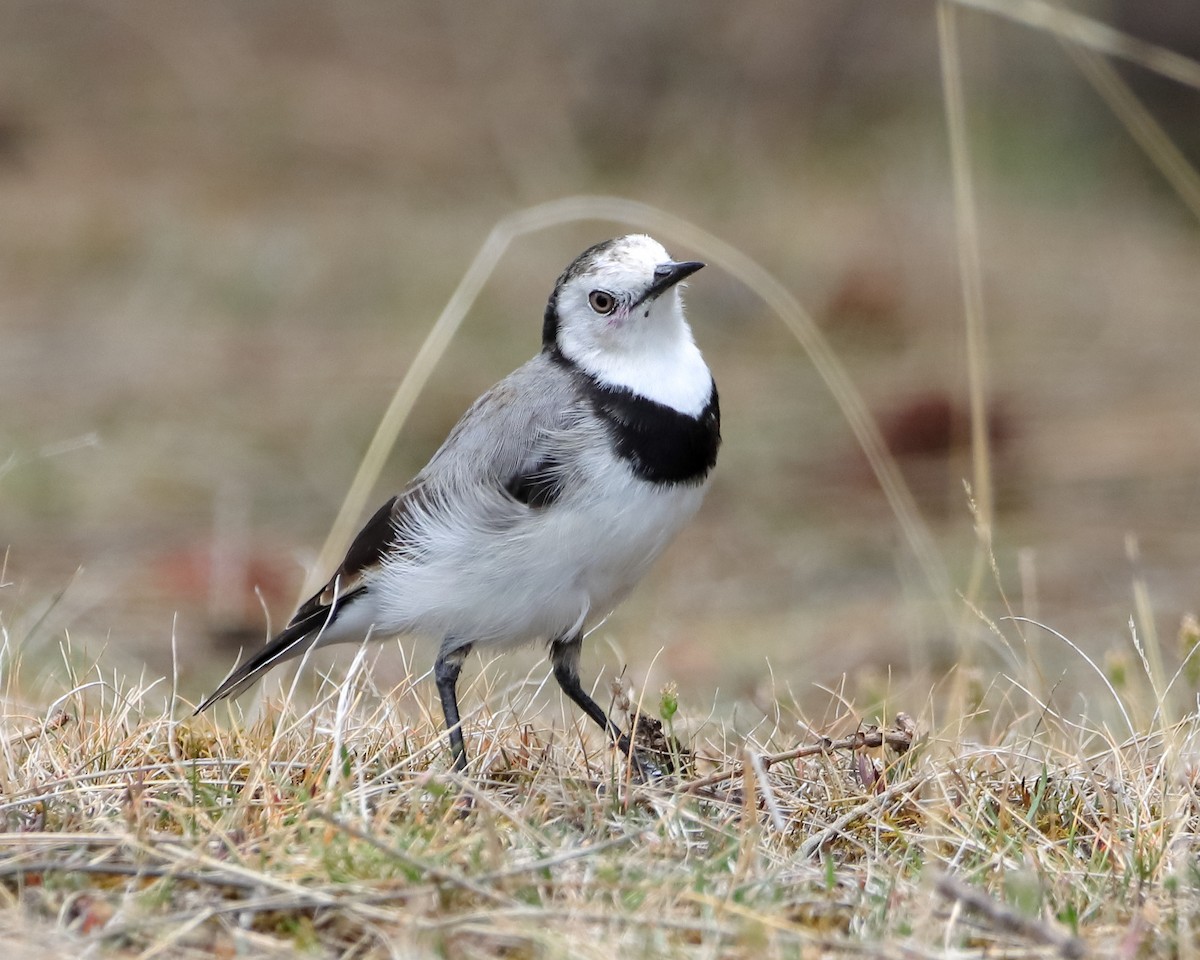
661, 444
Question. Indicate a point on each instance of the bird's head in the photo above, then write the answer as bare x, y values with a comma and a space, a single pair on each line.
620, 296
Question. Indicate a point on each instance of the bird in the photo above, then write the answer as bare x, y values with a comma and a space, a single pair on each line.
549, 499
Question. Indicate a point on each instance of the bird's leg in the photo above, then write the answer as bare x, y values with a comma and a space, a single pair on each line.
445, 673
564, 655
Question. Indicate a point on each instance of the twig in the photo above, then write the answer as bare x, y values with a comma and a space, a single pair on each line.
900, 738
281, 902
1095, 35
1007, 919
778, 821
26, 842
557, 859
18, 869
50, 789
56, 720
831, 832
489, 917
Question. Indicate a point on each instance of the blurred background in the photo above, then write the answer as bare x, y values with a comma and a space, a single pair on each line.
226, 227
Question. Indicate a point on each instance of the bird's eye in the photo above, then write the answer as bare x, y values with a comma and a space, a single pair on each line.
602, 302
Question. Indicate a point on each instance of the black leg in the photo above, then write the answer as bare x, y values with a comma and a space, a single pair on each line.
445, 673
564, 654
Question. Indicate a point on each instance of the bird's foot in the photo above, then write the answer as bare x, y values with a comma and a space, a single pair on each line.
644, 770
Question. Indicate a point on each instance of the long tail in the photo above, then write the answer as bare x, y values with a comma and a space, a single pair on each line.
292, 641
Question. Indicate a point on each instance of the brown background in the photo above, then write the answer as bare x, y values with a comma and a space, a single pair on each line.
225, 228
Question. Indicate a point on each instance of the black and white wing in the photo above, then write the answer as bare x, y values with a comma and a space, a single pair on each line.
507, 448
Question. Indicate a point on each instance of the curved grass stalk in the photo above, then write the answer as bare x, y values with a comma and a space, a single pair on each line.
789, 311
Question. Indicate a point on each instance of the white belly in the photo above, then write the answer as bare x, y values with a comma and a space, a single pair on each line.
539, 575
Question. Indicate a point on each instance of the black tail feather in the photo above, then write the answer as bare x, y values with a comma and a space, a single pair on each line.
295, 639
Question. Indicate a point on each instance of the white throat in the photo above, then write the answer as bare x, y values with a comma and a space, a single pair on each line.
682, 382
661, 363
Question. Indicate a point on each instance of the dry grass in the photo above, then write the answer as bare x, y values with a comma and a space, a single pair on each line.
337, 831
